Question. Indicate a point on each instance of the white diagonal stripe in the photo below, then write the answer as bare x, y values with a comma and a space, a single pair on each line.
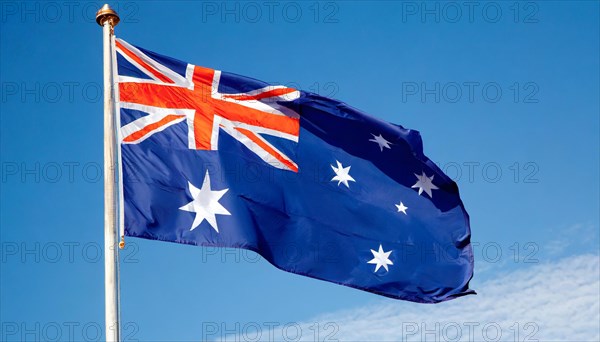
155, 114
272, 108
177, 79
229, 127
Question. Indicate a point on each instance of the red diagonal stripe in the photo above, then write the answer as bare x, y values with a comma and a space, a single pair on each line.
151, 127
255, 117
147, 66
263, 95
252, 136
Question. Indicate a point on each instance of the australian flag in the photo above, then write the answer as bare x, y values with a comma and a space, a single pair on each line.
314, 186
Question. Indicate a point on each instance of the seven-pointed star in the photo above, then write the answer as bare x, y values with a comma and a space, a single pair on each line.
381, 258
424, 183
380, 140
205, 203
401, 208
342, 174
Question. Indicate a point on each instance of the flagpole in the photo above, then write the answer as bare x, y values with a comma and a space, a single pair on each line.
108, 19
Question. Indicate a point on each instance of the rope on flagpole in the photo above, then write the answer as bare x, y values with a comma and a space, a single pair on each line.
108, 19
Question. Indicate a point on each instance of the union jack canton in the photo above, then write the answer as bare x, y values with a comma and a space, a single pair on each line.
170, 98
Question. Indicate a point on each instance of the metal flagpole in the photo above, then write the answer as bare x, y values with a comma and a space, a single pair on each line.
108, 19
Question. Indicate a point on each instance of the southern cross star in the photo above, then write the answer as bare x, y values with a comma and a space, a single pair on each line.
380, 140
424, 183
342, 174
401, 208
205, 203
381, 258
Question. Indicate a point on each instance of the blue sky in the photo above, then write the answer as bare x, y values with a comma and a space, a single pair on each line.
505, 95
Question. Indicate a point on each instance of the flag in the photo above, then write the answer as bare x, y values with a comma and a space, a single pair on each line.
314, 186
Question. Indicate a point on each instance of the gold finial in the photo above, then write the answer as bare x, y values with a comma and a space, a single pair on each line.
122, 242
106, 13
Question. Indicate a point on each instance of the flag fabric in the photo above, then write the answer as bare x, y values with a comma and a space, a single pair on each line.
314, 186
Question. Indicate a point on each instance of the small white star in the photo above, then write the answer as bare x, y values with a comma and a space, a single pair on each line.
401, 208
381, 258
205, 203
342, 174
424, 183
380, 140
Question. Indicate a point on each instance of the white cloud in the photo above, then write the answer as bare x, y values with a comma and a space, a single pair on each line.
546, 302
563, 240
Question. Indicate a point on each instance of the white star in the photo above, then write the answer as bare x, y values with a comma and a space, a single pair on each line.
401, 208
205, 204
379, 140
381, 258
424, 184
342, 174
